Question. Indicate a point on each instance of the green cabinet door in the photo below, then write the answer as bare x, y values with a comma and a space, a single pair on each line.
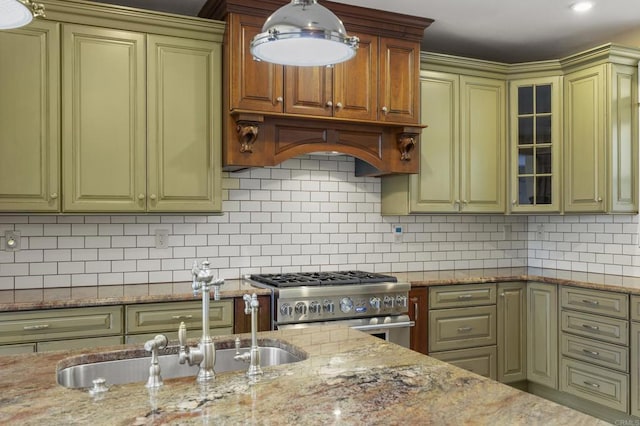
184, 124
535, 144
635, 368
542, 334
512, 332
103, 120
585, 139
29, 118
482, 145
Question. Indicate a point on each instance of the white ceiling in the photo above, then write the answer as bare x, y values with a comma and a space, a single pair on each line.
500, 30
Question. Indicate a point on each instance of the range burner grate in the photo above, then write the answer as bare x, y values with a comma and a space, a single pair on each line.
321, 278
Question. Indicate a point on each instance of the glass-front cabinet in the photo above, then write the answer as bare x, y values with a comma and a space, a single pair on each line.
535, 144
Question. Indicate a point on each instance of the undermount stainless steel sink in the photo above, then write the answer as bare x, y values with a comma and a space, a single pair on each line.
136, 369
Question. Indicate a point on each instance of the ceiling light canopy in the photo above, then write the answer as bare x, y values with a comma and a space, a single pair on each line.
303, 33
18, 13
581, 6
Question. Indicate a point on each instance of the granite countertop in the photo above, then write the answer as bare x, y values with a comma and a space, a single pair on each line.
348, 378
17, 300
71, 297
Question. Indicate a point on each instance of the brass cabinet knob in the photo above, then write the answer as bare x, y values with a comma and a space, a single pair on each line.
329, 104
513, 202
279, 99
54, 195
140, 196
339, 105
152, 197
385, 110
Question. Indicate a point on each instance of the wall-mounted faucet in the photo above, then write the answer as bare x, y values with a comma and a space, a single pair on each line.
251, 306
205, 354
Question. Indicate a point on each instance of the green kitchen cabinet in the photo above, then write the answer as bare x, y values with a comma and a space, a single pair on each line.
462, 149
601, 139
137, 135
512, 332
29, 118
103, 120
542, 334
535, 144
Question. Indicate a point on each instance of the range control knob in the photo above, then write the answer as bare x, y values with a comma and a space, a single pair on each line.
286, 310
401, 301
346, 304
388, 302
301, 308
328, 306
375, 303
314, 308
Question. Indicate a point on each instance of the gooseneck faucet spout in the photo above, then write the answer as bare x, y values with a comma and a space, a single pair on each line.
205, 354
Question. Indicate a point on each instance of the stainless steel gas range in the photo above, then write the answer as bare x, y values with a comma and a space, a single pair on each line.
373, 303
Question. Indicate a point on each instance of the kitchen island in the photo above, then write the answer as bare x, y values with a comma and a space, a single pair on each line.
349, 377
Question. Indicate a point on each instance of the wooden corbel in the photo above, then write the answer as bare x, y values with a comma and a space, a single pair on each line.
247, 132
406, 144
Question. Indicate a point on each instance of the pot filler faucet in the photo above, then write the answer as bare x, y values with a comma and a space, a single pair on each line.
205, 354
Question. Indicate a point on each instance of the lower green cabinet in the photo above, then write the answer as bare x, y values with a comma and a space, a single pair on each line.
542, 334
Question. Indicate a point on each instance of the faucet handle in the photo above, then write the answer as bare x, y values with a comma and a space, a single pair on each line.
182, 334
237, 343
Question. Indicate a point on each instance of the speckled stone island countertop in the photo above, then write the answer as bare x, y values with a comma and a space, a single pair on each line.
348, 378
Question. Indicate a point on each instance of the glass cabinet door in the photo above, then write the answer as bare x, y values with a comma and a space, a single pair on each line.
535, 145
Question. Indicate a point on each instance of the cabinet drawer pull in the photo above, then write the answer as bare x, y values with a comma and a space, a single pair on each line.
593, 385
590, 302
592, 353
416, 309
464, 329
591, 327
182, 317
465, 297
35, 327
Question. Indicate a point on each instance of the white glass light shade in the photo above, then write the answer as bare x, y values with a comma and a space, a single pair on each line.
13, 14
303, 33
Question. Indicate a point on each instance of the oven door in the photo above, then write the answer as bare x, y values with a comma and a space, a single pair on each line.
395, 329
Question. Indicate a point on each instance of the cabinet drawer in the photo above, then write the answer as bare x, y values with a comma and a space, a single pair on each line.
159, 317
595, 352
462, 328
597, 327
635, 308
455, 296
595, 301
25, 348
32, 326
481, 361
596, 384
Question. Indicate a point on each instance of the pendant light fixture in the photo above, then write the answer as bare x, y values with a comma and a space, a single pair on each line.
18, 13
303, 33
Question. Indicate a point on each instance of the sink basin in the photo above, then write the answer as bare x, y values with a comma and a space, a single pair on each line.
136, 368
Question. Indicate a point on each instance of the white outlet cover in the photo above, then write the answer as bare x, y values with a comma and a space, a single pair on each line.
162, 238
12, 240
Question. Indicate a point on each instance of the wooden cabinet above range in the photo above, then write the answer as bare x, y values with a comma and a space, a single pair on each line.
367, 107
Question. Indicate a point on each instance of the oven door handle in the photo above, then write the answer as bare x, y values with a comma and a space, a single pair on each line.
369, 327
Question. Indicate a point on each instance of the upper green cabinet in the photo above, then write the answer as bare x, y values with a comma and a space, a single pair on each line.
462, 150
29, 118
535, 137
103, 119
116, 115
601, 139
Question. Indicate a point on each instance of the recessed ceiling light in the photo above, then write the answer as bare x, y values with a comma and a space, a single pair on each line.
581, 6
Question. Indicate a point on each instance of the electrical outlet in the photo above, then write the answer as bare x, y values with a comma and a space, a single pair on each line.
397, 233
162, 238
540, 232
506, 231
12, 240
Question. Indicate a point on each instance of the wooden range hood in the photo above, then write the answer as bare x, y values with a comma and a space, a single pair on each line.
368, 107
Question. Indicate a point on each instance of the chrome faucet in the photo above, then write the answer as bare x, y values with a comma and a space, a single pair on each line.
205, 354
158, 342
251, 306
